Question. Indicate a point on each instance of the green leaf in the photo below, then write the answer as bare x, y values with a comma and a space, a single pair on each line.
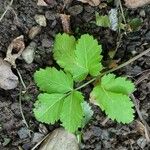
51, 80
112, 97
48, 107
102, 21
72, 113
88, 113
117, 85
80, 59
135, 24
64, 48
87, 57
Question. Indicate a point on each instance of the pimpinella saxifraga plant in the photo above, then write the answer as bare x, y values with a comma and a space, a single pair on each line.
59, 100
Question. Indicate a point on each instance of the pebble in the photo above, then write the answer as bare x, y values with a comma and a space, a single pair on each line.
75, 10
28, 53
37, 137
141, 142
46, 43
60, 139
41, 20
23, 133
142, 13
50, 15
34, 31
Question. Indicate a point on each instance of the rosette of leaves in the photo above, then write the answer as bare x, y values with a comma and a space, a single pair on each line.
59, 100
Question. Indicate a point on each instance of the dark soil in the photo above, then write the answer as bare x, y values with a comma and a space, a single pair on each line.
113, 136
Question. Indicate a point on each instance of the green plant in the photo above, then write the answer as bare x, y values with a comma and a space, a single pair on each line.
61, 101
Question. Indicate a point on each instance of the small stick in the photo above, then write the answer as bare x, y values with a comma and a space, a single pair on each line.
7, 8
105, 121
147, 128
114, 69
40, 142
23, 117
22, 82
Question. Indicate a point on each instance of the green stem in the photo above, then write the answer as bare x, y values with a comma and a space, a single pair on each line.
114, 69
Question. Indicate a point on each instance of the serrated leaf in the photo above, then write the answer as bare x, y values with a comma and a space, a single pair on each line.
117, 85
48, 107
112, 97
88, 113
81, 60
51, 80
72, 113
87, 57
64, 48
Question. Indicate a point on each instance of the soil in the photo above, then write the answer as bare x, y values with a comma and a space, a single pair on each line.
112, 136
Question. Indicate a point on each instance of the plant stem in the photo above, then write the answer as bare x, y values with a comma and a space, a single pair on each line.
114, 69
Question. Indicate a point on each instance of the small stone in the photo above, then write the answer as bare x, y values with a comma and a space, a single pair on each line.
34, 31
37, 137
50, 15
23, 133
142, 13
28, 53
142, 142
41, 3
60, 139
75, 10
41, 20
89, 9
46, 43
96, 131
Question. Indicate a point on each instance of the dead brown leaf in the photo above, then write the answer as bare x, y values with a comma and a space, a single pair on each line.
136, 3
91, 2
65, 19
8, 80
14, 50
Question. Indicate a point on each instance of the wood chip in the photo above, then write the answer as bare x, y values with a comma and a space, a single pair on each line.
136, 3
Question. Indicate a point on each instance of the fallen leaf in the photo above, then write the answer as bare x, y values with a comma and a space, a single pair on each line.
8, 80
136, 3
60, 139
14, 50
91, 2
65, 19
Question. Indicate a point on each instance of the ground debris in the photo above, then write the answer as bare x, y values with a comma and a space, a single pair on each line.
136, 3
8, 80
14, 50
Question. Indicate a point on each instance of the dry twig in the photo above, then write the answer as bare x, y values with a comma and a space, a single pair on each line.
7, 8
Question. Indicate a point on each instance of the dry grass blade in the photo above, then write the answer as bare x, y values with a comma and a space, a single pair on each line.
146, 126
